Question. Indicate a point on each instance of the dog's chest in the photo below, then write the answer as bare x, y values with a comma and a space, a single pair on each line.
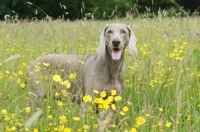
108, 85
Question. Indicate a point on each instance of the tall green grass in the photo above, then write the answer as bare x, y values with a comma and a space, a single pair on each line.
162, 84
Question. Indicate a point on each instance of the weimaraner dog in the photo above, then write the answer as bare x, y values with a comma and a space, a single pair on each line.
103, 71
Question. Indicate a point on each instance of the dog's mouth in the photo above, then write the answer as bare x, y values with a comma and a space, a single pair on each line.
116, 53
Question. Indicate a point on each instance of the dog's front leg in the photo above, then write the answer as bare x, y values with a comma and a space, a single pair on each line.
83, 109
105, 121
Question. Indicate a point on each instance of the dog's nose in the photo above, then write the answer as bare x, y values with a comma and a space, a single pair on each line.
116, 42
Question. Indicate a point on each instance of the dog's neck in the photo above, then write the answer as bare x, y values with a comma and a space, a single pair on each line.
114, 67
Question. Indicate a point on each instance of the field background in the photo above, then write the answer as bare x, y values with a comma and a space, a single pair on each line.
162, 82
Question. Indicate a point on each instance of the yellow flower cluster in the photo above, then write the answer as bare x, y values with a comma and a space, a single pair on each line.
7, 117
72, 76
87, 98
140, 121
66, 83
104, 102
37, 67
166, 72
178, 51
57, 78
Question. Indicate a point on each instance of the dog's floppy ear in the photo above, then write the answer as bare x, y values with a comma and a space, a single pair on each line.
102, 45
132, 42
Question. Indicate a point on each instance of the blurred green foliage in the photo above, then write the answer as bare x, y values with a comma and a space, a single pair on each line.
79, 9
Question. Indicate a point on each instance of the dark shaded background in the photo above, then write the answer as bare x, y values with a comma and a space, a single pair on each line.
101, 9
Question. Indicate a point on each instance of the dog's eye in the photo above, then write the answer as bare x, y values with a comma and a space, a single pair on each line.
110, 32
123, 32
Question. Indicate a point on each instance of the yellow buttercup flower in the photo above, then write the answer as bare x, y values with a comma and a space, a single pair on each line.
57, 78
76, 118
129, 103
98, 100
133, 130
20, 72
106, 105
113, 92
125, 108
22, 85
113, 107
110, 99
161, 110
188, 117
7, 72
56, 94
100, 106
67, 129
4, 112
46, 64
81, 62
19, 81
68, 61
159, 63
140, 121
117, 98
6, 118
35, 130
72, 76
122, 113
13, 128
168, 124
95, 91
148, 115
63, 119
50, 117
87, 98
95, 126
67, 84
103, 94
64, 93
85, 127
28, 109
59, 103
37, 82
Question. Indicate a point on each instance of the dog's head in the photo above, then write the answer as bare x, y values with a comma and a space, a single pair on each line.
116, 37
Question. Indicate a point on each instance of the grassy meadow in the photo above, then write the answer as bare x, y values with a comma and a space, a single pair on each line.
162, 83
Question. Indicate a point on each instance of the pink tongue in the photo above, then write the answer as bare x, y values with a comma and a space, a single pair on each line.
116, 54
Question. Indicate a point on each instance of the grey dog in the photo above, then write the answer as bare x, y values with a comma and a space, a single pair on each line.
103, 71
